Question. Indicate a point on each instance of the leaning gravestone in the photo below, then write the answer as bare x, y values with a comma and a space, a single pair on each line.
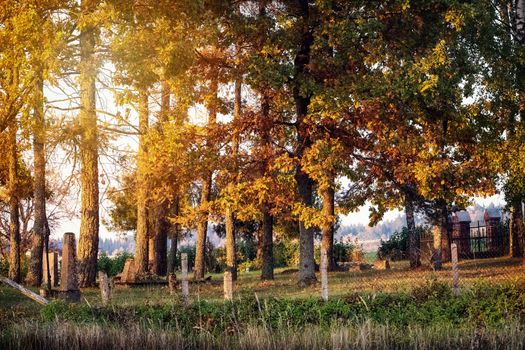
129, 273
52, 258
68, 290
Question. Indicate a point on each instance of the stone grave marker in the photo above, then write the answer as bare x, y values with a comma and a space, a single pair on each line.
68, 289
52, 257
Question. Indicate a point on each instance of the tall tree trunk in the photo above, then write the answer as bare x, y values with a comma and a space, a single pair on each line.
142, 238
89, 215
327, 240
306, 235
413, 239
304, 183
267, 221
39, 188
158, 243
14, 207
440, 230
202, 225
175, 230
202, 228
160, 240
267, 245
517, 231
231, 259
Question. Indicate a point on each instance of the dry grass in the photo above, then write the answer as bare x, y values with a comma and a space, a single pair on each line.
399, 278
69, 336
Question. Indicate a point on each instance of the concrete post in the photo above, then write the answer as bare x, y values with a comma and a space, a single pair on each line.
228, 285
105, 290
185, 285
324, 275
455, 272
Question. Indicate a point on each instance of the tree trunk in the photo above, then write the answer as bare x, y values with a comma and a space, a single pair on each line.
231, 258
202, 228
305, 184
440, 230
172, 258
267, 245
327, 242
160, 240
39, 190
306, 235
231, 261
14, 213
517, 231
202, 225
142, 238
89, 215
413, 239
159, 225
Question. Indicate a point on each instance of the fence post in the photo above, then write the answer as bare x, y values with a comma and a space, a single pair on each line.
455, 272
185, 286
324, 275
228, 285
105, 291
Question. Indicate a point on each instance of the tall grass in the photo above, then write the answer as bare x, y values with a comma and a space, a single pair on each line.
368, 335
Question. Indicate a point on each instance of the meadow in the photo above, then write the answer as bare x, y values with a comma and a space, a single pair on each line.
394, 308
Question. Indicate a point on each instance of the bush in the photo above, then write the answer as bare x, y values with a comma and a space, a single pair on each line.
396, 247
112, 266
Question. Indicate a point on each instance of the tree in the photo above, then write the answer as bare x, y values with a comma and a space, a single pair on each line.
89, 212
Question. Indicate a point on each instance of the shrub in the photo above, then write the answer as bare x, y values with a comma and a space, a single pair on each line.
112, 265
396, 247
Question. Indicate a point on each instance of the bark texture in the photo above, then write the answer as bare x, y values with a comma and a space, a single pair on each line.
231, 258
142, 238
89, 215
302, 101
267, 245
202, 228
413, 239
14, 212
35, 277
175, 229
202, 225
160, 240
327, 240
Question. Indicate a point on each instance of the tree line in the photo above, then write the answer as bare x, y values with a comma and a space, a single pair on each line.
261, 116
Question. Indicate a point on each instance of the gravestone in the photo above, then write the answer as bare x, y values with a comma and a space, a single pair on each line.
68, 289
129, 272
52, 257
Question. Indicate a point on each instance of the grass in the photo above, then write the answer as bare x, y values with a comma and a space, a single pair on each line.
395, 308
368, 335
399, 278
